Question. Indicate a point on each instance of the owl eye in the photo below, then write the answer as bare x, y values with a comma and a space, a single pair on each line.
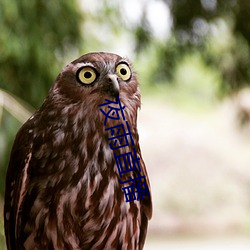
86, 75
123, 71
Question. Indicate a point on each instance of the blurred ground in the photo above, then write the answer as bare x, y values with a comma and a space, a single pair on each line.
205, 244
199, 171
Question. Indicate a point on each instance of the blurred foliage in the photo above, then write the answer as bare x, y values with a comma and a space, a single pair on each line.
2, 236
7, 131
219, 30
34, 36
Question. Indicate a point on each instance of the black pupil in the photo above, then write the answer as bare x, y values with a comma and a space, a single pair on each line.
123, 71
87, 74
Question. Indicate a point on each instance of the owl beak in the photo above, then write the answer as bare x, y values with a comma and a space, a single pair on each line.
114, 85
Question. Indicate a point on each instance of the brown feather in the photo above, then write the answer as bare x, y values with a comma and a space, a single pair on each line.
62, 185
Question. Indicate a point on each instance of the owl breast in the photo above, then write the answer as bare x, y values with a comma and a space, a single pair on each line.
65, 188
75, 194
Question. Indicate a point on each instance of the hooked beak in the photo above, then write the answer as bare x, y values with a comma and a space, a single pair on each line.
114, 85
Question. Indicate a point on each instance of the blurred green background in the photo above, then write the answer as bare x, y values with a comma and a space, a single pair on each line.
192, 60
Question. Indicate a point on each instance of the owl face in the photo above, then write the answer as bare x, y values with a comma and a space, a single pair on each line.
97, 75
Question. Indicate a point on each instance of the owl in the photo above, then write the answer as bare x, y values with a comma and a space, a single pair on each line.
64, 189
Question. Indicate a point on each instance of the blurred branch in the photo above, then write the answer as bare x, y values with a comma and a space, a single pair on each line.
14, 107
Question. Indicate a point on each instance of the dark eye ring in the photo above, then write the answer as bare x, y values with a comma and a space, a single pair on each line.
86, 75
123, 70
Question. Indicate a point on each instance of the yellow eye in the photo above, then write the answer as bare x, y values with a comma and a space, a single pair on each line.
123, 71
86, 75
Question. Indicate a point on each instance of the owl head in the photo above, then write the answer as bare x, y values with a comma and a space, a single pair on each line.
85, 83
98, 76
